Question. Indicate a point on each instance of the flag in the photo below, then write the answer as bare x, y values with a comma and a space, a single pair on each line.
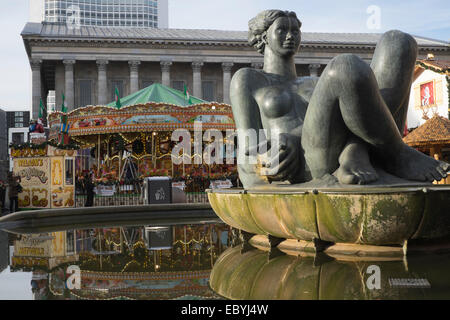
117, 98
63, 107
41, 109
187, 96
65, 126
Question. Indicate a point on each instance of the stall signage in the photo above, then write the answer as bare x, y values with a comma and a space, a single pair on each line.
31, 162
105, 191
180, 184
29, 173
221, 184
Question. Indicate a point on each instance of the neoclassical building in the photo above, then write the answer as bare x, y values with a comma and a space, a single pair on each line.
88, 63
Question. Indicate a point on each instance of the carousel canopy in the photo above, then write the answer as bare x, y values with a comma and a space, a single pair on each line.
158, 93
435, 131
167, 111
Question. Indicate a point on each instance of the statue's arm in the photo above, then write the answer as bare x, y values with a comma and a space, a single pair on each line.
246, 116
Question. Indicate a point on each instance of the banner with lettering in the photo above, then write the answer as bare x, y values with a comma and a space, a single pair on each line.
35, 180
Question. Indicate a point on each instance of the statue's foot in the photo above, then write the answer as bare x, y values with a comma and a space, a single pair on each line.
411, 164
355, 173
355, 166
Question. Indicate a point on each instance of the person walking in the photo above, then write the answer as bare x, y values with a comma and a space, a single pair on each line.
14, 186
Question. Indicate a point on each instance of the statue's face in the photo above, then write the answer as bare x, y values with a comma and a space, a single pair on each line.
283, 36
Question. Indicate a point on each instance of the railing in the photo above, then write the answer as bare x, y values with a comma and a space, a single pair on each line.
132, 199
119, 199
196, 197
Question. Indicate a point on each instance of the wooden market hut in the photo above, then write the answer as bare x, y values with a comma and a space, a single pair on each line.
432, 138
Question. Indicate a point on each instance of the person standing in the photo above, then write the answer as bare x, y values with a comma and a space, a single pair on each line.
89, 188
13, 184
2, 195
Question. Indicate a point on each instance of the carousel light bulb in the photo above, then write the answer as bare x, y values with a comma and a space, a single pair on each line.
154, 133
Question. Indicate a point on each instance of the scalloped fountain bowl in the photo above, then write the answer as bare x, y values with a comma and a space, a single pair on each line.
358, 215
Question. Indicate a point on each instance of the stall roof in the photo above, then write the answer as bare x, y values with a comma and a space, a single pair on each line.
435, 131
157, 93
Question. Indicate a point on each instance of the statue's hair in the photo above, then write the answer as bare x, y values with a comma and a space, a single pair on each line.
259, 25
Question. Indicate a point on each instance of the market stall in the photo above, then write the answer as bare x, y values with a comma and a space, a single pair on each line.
47, 175
432, 138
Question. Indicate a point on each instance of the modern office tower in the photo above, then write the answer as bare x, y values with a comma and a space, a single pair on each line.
109, 13
17, 123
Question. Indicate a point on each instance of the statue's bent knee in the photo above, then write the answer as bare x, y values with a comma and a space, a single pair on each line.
398, 43
348, 69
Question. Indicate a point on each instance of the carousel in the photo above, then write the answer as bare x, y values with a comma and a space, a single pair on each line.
131, 139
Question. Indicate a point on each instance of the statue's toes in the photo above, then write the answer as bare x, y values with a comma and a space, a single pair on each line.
371, 176
442, 171
444, 166
361, 177
347, 178
437, 174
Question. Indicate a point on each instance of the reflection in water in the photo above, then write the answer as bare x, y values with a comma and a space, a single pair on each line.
187, 261
158, 262
251, 275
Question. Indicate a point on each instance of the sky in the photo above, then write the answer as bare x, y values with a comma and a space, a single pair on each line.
15, 285
429, 18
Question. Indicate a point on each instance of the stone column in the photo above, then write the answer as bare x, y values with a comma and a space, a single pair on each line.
226, 67
102, 82
314, 69
197, 77
165, 72
257, 65
134, 76
36, 87
69, 93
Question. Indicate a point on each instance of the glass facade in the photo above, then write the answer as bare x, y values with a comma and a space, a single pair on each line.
111, 13
51, 101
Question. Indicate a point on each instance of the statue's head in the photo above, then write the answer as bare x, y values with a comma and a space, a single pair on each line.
276, 28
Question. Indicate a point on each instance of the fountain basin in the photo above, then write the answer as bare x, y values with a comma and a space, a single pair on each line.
360, 215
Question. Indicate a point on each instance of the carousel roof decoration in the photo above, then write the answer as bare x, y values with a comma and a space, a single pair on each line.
148, 285
155, 108
435, 131
160, 94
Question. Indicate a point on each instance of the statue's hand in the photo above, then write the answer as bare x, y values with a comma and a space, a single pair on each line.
285, 163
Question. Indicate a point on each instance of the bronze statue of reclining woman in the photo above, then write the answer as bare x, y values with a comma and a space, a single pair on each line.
344, 127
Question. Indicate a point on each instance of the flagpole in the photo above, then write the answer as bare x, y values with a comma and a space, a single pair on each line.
98, 157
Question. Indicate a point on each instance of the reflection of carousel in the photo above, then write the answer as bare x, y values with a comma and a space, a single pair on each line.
180, 270
141, 131
172, 262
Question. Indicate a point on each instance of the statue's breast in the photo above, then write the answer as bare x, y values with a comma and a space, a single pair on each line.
275, 101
